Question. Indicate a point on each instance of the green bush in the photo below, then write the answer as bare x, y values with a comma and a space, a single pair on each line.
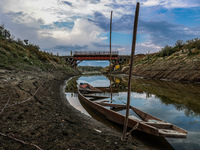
179, 44
6, 46
166, 51
20, 42
5, 34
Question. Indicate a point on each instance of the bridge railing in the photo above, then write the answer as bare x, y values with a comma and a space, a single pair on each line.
95, 53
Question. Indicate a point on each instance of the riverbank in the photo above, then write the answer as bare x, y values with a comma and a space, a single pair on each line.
34, 110
178, 66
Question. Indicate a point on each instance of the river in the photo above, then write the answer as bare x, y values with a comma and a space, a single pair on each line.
177, 103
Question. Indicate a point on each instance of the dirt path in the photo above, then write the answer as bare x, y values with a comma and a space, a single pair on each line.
33, 109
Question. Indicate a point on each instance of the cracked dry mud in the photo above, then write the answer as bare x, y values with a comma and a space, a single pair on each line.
45, 118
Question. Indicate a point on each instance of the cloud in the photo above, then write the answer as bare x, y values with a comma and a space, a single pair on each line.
171, 3
123, 24
70, 48
95, 1
22, 18
122, 49
146, 48
106, 46
82, 33
34, 9
82, 25
162, 33
68, 3
27, 31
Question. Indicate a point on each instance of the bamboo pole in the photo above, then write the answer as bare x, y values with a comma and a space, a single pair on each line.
130, 70
110, 54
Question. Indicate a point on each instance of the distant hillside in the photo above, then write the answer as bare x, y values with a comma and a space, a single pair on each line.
20, 54
179, 62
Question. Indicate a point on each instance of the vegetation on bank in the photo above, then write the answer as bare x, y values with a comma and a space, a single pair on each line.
181, 50
190, 47
180, 62
24, 55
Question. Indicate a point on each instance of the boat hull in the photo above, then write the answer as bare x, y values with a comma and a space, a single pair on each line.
116, 117
142, 125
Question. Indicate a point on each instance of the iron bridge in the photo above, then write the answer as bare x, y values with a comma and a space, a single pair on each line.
78, 56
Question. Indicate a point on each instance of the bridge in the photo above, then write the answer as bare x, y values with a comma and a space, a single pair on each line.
78, 56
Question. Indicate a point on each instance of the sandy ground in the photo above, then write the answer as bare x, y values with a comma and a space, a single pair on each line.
34, 110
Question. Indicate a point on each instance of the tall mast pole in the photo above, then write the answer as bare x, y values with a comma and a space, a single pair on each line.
110, 53
130, 70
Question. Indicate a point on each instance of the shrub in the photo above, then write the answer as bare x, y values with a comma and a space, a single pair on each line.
166, 51
6, 46
4, 33
43, 57
189, 52
20, 42
179, 44
55, 59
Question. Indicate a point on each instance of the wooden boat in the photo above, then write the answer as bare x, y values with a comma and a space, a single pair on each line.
146, 123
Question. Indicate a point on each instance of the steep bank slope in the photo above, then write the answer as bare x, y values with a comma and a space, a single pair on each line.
171, 63
175, 67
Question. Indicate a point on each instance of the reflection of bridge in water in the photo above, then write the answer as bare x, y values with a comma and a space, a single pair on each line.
116, 87
106, 90
99, 94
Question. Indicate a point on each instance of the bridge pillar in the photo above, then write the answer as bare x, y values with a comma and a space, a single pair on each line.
75, 64
116, 62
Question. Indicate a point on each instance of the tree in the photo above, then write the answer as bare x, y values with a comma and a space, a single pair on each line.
20, 42
167, 51
179, 44
26, 41
4, 33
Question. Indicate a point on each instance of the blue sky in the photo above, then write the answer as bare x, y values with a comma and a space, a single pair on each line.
61, 26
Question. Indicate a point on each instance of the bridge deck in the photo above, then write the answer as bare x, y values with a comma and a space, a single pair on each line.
93, 55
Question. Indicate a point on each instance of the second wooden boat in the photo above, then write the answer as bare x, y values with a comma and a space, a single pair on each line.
87, 88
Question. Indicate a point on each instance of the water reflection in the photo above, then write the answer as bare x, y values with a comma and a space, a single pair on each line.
173, 102
184, 97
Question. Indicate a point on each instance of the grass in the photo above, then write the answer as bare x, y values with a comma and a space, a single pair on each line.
18, 55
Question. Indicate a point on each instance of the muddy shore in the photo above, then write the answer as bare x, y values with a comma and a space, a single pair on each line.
34, 109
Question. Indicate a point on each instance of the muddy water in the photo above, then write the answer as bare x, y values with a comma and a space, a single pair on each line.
173, 102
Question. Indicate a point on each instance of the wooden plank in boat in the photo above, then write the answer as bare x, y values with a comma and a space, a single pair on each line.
144, 116
162, 125
118, 108
111, 105
95, 96
171, 133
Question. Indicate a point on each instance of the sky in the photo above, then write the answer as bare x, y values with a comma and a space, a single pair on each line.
62, 26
